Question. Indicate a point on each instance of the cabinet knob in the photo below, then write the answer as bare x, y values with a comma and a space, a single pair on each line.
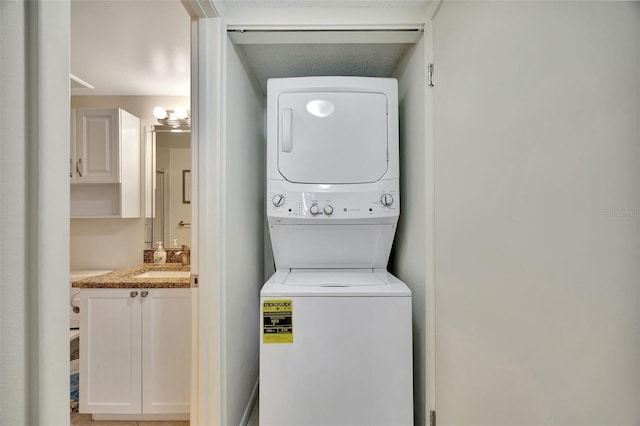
144, 293
133, 294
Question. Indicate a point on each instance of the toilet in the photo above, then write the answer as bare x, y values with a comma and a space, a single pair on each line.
74, 299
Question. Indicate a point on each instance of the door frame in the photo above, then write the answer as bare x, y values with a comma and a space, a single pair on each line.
429, 185
35, 271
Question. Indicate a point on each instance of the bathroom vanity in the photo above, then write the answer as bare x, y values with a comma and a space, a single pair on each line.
135, 344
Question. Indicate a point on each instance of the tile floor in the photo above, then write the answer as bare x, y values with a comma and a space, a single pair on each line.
85, 420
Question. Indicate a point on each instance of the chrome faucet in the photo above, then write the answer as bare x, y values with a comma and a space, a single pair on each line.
185, 255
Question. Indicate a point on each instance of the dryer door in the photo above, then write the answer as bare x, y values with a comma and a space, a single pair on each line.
332, 137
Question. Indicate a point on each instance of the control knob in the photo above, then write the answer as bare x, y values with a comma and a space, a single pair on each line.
278, 200
386, 200
328, 210
314, 209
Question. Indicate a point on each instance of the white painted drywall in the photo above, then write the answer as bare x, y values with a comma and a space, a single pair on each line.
326, 17
537, 154
207, 128
14, 217
34, 212
243, 177
408, 258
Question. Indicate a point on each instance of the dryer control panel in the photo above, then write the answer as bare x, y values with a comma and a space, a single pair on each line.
333, 202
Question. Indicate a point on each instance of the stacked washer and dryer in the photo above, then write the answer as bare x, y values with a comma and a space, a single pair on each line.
335, 326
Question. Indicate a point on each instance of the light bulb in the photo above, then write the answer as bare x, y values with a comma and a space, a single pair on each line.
181, 113
159, 113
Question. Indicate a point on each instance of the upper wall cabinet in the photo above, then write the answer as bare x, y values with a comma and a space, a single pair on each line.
105, 163
95, 149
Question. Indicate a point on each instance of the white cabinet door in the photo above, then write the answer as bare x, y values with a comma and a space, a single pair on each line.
110, 351
536, 213
166, 350
97, 146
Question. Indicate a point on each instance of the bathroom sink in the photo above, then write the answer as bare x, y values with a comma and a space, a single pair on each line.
164, 274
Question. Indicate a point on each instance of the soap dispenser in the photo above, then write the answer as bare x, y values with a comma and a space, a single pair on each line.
160, 256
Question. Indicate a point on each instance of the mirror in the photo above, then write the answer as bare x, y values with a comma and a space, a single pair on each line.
167, 183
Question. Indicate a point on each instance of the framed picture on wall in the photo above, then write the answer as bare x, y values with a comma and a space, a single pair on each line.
186, 186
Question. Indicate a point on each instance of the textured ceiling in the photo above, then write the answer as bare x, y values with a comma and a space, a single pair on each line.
320, 3
302, 60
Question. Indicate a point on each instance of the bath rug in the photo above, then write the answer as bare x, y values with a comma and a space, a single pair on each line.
75, 392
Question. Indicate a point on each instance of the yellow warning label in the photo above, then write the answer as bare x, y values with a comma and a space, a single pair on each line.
277, 321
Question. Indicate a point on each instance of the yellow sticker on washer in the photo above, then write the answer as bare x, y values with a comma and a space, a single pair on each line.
277, 321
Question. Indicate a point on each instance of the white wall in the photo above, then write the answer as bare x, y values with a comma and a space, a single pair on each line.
14, 216
409, 253
243, 174
34, 212
106, 243
121, 239
537, 153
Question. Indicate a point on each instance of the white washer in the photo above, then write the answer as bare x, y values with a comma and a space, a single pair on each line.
335, 325
349, 361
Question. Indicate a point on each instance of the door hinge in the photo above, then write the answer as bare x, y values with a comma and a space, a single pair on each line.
194, 280
432, 418
430, 75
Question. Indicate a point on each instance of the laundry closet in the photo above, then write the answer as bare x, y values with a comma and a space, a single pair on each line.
253, 54
518, 217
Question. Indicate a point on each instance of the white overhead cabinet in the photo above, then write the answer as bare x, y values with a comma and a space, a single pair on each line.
136, 351
104, 167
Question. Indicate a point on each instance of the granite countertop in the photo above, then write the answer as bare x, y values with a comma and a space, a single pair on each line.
125, 278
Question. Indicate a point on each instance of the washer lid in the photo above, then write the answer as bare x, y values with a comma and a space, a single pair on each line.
332, 137
276, 286
335, 277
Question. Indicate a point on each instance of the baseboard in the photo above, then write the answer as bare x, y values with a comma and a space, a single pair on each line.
141, 417
250, 404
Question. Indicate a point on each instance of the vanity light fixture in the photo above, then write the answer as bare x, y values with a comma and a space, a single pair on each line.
159, 113
178, 118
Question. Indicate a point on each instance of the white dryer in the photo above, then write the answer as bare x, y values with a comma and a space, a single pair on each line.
335, 325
